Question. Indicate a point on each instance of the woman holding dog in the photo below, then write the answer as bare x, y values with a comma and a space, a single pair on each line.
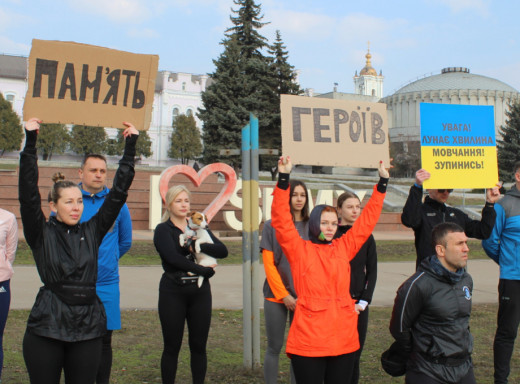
363, 270
279, 293
323, 337
180, 298
67, 322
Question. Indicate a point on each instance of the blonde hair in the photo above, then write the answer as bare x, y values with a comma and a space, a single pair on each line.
172, 193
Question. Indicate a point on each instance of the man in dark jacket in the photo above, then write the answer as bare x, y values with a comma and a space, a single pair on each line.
431, 313
422, 217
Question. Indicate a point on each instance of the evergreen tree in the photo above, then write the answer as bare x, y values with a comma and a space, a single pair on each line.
242, 83
509, 146
143, 147
52, 139
223, 116
86, 139
286, 84
11, 131
284, 72
185, 139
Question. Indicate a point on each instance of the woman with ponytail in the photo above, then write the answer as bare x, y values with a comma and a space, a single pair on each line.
67, 322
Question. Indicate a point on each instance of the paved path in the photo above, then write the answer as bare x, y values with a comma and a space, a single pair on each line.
139, 285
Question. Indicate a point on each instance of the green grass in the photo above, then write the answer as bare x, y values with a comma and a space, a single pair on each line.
8, 166
138, 348
144, 253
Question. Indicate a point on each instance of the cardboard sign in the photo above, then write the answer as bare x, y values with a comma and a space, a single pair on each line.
329, 132
71, 83
458, 146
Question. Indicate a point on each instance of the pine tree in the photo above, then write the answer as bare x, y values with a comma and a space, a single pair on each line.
223, 116
11, 131
185, 139
509, 146
52, 139
85, 140
242, 83
286, 84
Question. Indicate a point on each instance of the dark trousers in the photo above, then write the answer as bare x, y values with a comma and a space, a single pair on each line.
362, 327
508, 320
103, 374
178, 305
45, 358
421, 378
323, 370
5, 302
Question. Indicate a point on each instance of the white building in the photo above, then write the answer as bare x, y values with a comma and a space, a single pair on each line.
175, 93
369, 83
13, 80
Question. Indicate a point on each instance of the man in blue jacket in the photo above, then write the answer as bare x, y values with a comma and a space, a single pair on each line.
502, 247
116, 243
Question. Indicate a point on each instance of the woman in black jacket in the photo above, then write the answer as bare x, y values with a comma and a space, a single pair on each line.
180, 298
363, 270
67, 321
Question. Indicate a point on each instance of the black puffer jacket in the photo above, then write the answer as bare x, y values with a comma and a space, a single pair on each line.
430, 319
422, 217
66, 256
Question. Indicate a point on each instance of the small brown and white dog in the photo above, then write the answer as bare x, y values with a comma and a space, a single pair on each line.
197, 228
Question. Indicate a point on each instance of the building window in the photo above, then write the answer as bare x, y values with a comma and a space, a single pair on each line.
184, 86
175, 113
373, 92
10, 98
189, 112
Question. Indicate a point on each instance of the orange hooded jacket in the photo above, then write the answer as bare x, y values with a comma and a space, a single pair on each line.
325, 321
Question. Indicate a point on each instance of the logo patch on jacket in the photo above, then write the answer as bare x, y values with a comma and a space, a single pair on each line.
431, 214
452, 214
467, 293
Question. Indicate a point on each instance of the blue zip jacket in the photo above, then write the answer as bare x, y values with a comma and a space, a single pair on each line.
116, 242
503, 244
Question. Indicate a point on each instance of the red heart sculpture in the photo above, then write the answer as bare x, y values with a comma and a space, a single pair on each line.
197, 179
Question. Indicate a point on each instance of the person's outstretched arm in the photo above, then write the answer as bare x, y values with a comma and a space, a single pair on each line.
412, 213
363, 227
123, 178
281, 218
482, 229
33, 219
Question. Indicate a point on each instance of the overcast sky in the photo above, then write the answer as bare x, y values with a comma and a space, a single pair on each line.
326, 39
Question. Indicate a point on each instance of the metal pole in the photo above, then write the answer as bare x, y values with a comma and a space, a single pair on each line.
246, 244
255, 249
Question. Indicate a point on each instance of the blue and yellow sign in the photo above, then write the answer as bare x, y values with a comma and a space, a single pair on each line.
458, 146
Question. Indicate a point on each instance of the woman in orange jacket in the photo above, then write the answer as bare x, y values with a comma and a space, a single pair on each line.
323, 336
279, 293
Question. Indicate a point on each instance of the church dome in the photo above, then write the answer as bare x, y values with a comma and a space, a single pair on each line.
456, 78
368, 70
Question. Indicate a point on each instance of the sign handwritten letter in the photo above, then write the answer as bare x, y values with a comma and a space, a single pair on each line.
319, 131
71, 83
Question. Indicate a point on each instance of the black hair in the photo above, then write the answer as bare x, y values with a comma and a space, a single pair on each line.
440, 231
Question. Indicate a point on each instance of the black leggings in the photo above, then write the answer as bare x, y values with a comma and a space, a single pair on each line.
327, 369
103, 374
45, 358
176, 305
